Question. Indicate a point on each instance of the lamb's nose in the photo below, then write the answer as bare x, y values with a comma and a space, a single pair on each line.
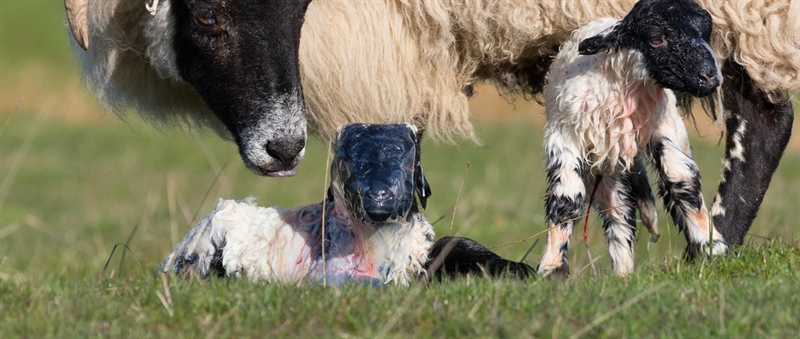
380, 195
285, 150
708, 81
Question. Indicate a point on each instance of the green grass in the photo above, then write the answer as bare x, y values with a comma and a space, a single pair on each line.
71, 188
34, 31
70, 192
735, 297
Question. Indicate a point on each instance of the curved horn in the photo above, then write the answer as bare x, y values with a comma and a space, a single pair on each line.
78, 21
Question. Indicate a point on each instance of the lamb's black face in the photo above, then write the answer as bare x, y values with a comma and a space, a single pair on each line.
378, 169
673, 36
242, 57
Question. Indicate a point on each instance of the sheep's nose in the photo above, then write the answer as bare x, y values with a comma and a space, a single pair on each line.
285, 150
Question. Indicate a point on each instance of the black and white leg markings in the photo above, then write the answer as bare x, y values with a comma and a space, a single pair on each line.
563, 204
617, 207
758, 132
645, 200
679, 187
619, 195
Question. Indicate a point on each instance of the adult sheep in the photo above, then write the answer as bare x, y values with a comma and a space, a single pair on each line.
233, 65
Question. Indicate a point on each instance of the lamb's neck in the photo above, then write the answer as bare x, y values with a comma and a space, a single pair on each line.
375, 253
628, 66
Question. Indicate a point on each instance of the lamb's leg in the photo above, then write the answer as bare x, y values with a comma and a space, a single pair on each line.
563, 203
645, 200
617, 207
679, 186
757, 134
200, 252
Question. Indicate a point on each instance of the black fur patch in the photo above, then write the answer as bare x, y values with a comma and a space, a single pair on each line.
672, 35
379, 169
563, 211
244, 63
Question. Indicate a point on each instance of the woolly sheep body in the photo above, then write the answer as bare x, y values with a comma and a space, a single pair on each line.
410, 60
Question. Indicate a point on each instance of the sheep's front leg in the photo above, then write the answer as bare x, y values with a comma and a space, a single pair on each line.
757, 132
563, 203
679, 186
617, 206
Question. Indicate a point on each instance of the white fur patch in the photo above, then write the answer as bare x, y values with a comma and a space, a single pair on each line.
717, 209
160, 49
273, 244
284, 119
737, 152
605, 102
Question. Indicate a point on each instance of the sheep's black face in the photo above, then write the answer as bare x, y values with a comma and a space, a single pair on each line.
673, 36
377, 168
242, 58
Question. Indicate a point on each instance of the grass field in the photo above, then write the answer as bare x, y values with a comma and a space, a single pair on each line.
74, 183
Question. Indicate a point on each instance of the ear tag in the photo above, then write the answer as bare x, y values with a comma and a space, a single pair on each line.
152, 6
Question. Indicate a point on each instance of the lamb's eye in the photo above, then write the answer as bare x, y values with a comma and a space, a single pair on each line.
206, 17
658, 42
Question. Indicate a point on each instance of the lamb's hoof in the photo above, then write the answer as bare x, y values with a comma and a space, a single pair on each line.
558, 272
196, 254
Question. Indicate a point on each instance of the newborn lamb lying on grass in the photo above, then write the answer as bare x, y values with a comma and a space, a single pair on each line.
374, 231
608, 102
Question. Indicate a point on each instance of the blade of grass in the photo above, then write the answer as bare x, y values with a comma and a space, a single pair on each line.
599, 320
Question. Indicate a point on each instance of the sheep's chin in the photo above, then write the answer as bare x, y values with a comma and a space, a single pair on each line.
281, 174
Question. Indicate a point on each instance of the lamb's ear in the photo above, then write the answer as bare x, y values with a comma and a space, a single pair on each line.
330, 193
605, 40
421, 186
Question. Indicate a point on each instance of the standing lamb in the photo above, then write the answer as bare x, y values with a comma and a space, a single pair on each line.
607, 99
233, 66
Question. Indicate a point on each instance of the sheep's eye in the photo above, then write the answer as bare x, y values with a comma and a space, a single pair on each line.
658, 42
206, 17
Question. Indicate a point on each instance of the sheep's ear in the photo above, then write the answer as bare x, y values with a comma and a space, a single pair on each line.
421, 186
601, 42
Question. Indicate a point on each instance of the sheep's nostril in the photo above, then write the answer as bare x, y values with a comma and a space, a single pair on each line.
284, 151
